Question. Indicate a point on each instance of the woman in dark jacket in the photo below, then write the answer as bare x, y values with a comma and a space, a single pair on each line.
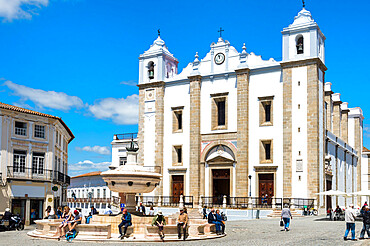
366, 221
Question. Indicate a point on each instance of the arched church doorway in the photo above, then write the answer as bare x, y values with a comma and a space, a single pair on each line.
220, 169
221, 184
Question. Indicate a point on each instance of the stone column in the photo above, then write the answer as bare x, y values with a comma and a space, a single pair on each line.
202, 178
358, 146
287, 131
159, 131
336, 118
344, 122
329, 102
28, 212
195, 138
242, 185
141, 130
313, 131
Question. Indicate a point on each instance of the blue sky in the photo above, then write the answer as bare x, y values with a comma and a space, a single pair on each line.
78, 59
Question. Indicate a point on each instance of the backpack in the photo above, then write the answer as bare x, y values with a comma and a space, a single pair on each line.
71, 235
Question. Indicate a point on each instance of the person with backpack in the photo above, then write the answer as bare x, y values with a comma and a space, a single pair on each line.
366, 223
159, 221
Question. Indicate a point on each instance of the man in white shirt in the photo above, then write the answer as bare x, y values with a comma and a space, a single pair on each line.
350, 222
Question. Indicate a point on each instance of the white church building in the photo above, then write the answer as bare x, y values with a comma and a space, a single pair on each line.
234, 124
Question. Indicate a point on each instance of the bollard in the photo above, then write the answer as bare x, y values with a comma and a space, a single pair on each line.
224, 202
181, 203
258, 214
159, 201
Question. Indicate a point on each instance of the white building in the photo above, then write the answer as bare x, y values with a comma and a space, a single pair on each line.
119, 144
33, 161
88, 190
236, 125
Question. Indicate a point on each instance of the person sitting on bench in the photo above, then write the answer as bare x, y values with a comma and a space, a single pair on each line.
212, 219
126, 222
160, 222
77, 218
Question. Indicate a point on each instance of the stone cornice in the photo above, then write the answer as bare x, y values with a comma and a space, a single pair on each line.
152, 84
305, 62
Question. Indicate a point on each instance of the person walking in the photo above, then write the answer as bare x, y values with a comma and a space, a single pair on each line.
366, 223
286, 216
159, 221
350, 222
204, 212
126, 222
182, 222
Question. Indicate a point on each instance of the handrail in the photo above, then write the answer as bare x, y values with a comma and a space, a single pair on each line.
125, 136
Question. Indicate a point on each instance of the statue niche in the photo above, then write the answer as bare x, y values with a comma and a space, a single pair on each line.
151, 70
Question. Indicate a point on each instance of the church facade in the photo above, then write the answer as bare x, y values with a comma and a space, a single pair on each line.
234, 124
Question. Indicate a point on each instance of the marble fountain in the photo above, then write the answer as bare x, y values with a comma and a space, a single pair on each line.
129, 180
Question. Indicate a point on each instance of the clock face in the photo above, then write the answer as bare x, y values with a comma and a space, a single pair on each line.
219, 58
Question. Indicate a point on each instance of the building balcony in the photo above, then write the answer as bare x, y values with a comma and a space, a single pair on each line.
36, 174
125, 136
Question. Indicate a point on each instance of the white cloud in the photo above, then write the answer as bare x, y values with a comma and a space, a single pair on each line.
20, 9
45, 99
96, 149
367, 131
129, 82
122, 111
87, 166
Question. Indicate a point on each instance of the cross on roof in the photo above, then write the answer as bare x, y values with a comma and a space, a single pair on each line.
220, 31
159, 32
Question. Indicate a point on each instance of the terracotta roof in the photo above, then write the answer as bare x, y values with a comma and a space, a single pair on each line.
364, 149
87, 174
27, 111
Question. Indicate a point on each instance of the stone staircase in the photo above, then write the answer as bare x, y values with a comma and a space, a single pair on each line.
277, 213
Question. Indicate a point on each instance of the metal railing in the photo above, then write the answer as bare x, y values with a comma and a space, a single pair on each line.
37, 174
165, 201
125, 136
88, 200
256, 202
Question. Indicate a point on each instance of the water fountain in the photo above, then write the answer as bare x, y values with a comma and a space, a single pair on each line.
128, 180
132, 178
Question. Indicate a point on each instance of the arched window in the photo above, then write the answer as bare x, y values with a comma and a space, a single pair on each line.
299, 44
151, 70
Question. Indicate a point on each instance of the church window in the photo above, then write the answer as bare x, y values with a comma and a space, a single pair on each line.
299, 106
299, 129
266, 151
219, 111
151, 70
265, 111
299, 44
177, 119
177, 155
299, 83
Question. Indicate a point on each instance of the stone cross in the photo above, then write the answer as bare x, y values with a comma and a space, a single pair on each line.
220, 31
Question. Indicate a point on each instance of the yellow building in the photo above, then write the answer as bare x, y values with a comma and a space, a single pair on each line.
33, 161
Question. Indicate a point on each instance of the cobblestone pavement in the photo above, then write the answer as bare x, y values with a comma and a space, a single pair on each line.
304, 231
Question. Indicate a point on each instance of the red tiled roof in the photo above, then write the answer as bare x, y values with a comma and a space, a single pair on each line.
87, 174
364, 149
27, 111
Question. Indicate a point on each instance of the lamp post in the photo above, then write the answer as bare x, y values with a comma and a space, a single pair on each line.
250, 185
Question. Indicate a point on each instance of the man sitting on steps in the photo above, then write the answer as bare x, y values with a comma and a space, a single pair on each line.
126, 222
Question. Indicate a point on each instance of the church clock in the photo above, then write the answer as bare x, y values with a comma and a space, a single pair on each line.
219, 58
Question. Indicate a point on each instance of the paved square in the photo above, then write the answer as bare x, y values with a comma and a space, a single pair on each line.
304, 231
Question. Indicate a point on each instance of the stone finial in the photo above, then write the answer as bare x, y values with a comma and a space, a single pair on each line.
244, 49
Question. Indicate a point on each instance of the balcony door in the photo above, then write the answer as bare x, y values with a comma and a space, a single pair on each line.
19, 162
38, 164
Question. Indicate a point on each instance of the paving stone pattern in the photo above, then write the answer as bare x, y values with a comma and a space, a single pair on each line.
304, 231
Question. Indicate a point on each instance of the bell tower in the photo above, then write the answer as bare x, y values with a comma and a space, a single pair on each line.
157, 63
303, 39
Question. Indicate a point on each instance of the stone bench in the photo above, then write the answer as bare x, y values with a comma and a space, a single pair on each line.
207, 228
93, 230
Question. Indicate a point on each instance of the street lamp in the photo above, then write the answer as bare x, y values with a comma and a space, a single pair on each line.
250, 185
